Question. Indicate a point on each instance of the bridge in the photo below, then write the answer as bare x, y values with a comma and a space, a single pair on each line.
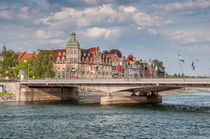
145, 87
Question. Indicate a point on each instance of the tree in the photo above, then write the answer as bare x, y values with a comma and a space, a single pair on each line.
8, 63
161, 71
26, 66
43, 64
118, 53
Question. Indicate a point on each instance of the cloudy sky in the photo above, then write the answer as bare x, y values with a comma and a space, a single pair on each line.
146, 28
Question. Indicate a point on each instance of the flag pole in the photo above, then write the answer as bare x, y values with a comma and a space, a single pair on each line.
181, 67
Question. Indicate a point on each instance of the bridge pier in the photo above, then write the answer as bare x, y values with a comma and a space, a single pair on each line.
107, 100
46, 93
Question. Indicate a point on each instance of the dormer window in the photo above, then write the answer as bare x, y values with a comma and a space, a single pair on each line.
59, 53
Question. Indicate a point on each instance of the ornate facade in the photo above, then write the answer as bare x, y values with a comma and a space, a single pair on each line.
72, 62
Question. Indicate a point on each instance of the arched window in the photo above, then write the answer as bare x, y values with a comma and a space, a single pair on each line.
58, 60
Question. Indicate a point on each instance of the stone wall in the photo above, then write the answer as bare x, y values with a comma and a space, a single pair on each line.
25, 93
11, 87
47, 93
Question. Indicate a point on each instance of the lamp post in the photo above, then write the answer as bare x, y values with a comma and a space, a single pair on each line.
165, 57
28, 70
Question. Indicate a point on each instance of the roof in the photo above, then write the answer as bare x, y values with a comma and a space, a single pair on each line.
73, 43
23, 55
56, 53
92, 49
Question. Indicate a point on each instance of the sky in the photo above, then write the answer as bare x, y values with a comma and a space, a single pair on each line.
157, 29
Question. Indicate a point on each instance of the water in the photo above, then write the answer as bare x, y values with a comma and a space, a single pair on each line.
183, 116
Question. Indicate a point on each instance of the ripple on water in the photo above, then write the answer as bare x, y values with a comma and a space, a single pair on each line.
184, 116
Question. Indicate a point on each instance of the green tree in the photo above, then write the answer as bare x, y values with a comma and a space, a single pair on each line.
8, 63
161, 71
26, 66
42, 64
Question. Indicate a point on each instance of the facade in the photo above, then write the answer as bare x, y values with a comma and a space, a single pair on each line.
74, 62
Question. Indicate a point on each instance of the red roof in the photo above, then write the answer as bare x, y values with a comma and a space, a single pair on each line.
92, 49
56, 53
23, 55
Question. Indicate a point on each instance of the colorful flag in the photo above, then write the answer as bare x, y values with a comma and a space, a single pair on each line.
193, 65
180, 58
91, 67
119, 68
156, 67
131, 60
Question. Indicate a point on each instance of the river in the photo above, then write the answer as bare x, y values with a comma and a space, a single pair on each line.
180, 116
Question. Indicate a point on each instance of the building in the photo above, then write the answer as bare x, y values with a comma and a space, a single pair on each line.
23, 56
72, 62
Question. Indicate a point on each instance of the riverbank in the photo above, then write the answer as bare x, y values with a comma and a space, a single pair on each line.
7, 98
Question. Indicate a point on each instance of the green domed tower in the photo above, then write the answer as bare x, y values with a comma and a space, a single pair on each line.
73, 43
73, 55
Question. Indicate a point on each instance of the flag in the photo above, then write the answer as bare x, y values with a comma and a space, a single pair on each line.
193, 65
156, 67
91, 67
119, 68
116, 56
180, 58
131, 60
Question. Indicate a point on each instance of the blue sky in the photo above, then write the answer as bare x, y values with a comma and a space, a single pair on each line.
146, 28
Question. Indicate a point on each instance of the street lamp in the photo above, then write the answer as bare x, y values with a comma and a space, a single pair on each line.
165, 57
28, 70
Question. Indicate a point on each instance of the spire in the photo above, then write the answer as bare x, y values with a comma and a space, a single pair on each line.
73, 36
4, 48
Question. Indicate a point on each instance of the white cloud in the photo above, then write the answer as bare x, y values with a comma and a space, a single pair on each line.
42, 34
95, 32
183, 5
100, 15
5, 14
191, 36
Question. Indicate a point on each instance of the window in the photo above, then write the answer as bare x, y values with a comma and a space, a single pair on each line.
63, 75
67, 51
75, 51
71, 59
73, 68
83, 59
63, 59
59, 53
71, 51
64, 53
84, 54
58, 67
75, 60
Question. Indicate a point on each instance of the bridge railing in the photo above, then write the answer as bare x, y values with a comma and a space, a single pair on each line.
142, 80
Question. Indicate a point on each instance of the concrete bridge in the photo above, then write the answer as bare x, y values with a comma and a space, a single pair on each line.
67, 89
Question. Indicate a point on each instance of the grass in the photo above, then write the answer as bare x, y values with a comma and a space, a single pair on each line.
5, 94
